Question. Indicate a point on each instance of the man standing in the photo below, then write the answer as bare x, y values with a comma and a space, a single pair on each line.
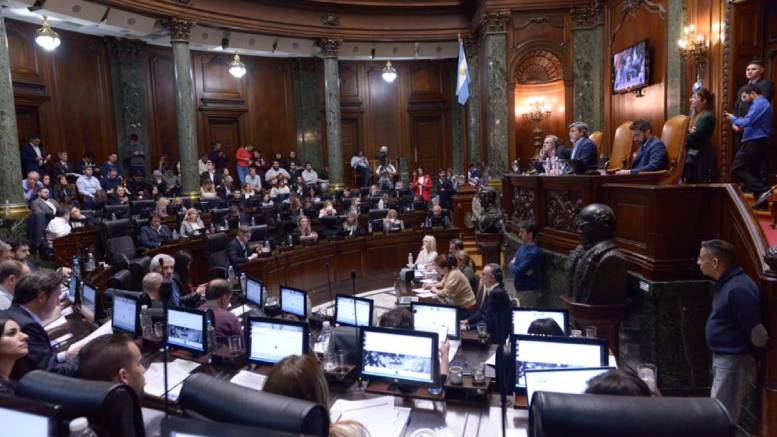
651, 155
525, 265
496, 311
135, 156
44, 204
362, 166
734, 331
33, 157
755, 76
757, 125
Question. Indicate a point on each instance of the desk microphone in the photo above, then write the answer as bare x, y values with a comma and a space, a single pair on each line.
329, 285
353, 298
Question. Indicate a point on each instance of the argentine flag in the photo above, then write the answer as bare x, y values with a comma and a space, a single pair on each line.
462, 81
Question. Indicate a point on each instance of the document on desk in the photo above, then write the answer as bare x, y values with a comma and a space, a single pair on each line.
423, 293
105, 328
56, 323
378, 415
245, 378
177, 372
239, 311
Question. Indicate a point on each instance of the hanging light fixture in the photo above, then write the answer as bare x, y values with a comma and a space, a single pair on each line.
237, 68
389, 73
46, 37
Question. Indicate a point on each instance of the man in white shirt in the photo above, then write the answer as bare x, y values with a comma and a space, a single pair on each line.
59, 226
44, 204
10, 273
88, 184
253, 179
309, 176
276, 172
361, 165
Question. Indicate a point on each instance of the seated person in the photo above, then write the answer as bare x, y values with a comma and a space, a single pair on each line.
267, 200
151, 297
312, 195
299, 377
355, 206
305, 233
217, 296
309, 176
226, 188
253, 179
207, 190
392, 221
473, 175
161, 207
181, 294
549, 154
618, 382
238, 251
137, 186
454, 246
546, 326
351, 226
465, 264
454, 287
328, 210
117, 358
13, 347
78, 219
280, 191
298, 187
119, 196
59, 226
651, 155
436, 218
496, 313
428, 253
276, 173
154, 234
36, 298
248, 191
236, 216
191, 223
583, 149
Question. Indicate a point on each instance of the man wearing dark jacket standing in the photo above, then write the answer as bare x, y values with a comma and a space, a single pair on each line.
734, 331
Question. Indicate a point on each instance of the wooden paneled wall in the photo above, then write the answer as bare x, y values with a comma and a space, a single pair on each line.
624, 27
64, 96
411, 115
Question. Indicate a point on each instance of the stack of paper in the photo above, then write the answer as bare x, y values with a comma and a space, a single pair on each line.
56, 323
423, 293
104, 329
244, 378
378, 415
177, 372
239, 311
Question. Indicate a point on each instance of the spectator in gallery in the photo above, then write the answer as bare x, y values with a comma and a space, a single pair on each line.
260, 162
298, 187
110, 180
280, 191
207, 190
119, 196
135, 156
328, 210
312, 195
62, 166
33, 156
253, 179
159, 183
88, 184
276, 172
218, 157
63, 191
87, 161
111, 164
243, 161
309, 176
248, 191
651, 155
422, 184
46, 182
292, 160
44, 203
31, 185
138, 187
211, 173
226, 188
202, 164
361, 165
385, 174
699, 155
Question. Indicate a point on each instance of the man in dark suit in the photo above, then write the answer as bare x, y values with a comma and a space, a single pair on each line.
238, 251
755, 76
33, 156
445, 190
651, 155
155, 233
496, 311
583, 149
36, 298
211, 174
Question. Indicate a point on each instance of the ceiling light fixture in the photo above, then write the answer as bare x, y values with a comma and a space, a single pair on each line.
46, 37
389, 73
237, 68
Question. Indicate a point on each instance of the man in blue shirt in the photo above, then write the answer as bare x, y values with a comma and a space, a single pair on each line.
583, 148
154, 234
757, 126
651, 155
525, 265
734, 331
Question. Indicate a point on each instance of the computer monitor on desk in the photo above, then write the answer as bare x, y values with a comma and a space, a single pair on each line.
271, 340
294, 301
532, 352
572, 381
27, 418
187, 329
72, 288
524, 316
125, 314
89, 302
254, 291
398, 356
430, 317
353, 311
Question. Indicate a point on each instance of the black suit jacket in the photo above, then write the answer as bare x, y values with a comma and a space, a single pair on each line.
236, 253
41, 355
216, 178
496, 312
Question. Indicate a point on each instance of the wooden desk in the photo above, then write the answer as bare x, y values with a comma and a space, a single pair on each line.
78, 242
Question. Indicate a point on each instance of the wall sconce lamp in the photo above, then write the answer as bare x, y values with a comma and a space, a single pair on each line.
693, 45
535, 112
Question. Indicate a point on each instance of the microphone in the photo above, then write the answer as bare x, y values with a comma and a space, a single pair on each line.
329, 285
353, 298
165, 349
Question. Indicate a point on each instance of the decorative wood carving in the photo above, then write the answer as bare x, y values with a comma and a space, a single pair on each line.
539, 20
330, 20
588, 15
539, 66
630, 7
523, 205
470, 45
180, 30
725, 135
562, 208
329, 47
495, 21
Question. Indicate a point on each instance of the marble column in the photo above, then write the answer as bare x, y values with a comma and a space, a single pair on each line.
11, 193
587, 43
494, 25
329, 49
473, 103
185, 107
307, 107
677, 94
129, 90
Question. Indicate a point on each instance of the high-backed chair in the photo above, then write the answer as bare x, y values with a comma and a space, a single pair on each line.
119, 245
218, 261
620, 152
596, 137
138, 268
674, 136
112, 408
121, 280
204, 396
115, 212
142, 207
562, 415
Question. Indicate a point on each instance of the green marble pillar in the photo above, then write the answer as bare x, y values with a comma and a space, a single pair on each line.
677, 94
185, 107
473, 104
11, 193
129, 90
329, 49
588, 52
307, 108
495, 41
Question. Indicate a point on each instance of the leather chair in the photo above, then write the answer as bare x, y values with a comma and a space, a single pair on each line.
119, 245
36, 233
142, 207
620, 155
218, 261
217, 215
112, 409
558, 414
206, 397
674, 136
119, 211
121, 280
596, 137
138, 268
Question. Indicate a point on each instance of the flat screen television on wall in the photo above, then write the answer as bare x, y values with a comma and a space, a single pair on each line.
631, 68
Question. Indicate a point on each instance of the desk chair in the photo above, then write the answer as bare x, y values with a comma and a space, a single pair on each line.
119, 244
206, 397
112, 408
142, 207
622, 145
121, 279
115, 212
558, 414
218, 261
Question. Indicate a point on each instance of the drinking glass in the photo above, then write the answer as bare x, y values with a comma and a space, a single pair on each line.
479, 373
456, 374
590, 332
342, 360
577, 333
482, 330
159, 330
235, 343
648, 373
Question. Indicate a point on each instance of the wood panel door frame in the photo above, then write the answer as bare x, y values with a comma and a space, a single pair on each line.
445, 154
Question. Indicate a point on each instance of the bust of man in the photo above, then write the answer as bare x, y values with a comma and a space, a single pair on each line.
489, 218
596, 270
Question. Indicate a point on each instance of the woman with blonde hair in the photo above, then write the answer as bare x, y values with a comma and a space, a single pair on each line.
306, 233
428, 252
191, 223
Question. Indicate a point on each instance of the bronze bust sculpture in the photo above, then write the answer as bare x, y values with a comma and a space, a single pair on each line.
489, 218
596, 270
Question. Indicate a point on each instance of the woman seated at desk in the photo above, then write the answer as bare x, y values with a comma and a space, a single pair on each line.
454, 286
351, 226
328, 210
191, 223
392, 221
13, 347
248, 191
161, 207
428, 252
207, 191
304, 231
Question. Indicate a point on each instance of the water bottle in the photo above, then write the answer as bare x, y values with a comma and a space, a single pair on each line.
91, 263
113, 216
291, 241
243, 283
76, 267
146, 322
328, 346
226, 224
369, 226
176, 237
410, 259
211, 337
380, 204
253, 221
231, 275
79, 427
212, 228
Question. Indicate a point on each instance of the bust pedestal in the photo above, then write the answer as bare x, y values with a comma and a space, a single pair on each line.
462, 205
489, 244
606, 318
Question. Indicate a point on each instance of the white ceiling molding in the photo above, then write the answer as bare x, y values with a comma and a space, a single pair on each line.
77, 11
138, 25
296, 47
438, 50
395, 50
246, 42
